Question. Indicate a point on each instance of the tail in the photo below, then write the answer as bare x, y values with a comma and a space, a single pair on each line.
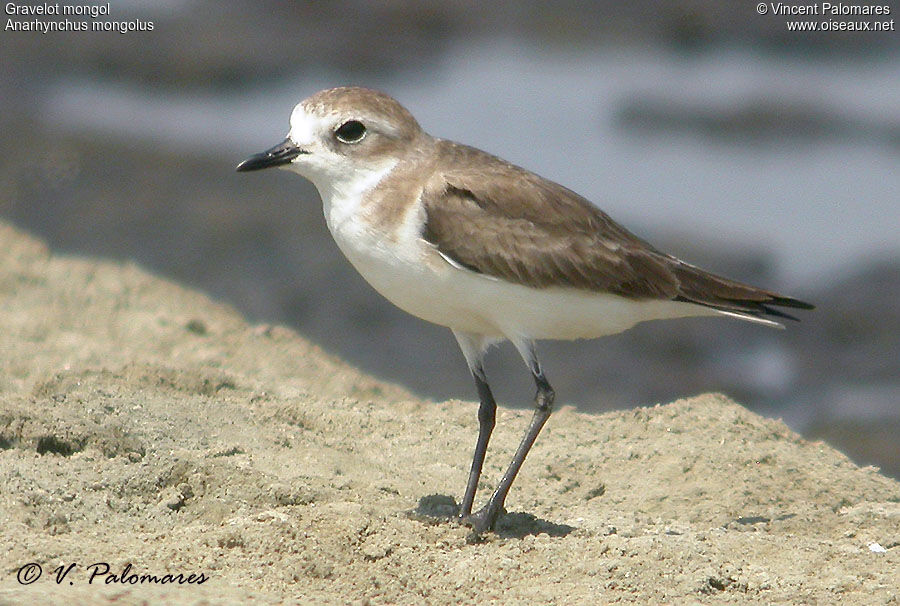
733, 298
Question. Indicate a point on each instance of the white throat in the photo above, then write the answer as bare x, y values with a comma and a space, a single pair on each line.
342, 198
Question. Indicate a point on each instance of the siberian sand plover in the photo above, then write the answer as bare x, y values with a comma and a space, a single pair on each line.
463, 239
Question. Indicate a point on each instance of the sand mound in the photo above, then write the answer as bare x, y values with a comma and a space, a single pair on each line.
146, 428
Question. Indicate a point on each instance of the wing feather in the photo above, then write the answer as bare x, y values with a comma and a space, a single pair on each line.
537, 233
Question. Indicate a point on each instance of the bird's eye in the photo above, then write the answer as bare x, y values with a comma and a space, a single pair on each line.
351, 131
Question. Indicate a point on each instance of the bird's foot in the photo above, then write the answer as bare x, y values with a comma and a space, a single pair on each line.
482, 520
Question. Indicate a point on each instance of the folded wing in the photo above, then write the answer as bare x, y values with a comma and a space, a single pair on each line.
537, 233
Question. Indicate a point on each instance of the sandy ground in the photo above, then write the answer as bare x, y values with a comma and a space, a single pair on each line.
147, 428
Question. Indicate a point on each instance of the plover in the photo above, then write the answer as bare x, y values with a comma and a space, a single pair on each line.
463, 239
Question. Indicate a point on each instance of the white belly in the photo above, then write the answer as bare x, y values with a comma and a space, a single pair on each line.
414, 277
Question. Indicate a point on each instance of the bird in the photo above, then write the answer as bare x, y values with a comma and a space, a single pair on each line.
464, 239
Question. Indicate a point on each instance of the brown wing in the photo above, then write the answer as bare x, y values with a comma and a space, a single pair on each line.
534, 232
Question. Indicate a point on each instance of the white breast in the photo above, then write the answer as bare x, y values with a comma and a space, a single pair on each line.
397, 262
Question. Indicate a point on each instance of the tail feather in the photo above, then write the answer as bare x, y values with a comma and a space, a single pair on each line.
732, 297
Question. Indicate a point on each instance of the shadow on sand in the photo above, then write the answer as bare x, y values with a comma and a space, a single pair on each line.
441, 509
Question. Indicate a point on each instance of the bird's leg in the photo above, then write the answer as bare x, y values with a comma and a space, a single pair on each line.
484, 519
487, 413
473, 347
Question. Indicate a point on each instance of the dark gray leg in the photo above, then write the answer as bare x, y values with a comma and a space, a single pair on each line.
473, 347
487, 413
484, 519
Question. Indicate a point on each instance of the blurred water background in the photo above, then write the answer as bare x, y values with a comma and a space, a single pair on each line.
766, 155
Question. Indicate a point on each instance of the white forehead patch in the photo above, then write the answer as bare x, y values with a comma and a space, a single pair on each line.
306, 127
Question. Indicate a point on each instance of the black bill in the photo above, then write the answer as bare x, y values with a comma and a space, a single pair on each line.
282, 153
